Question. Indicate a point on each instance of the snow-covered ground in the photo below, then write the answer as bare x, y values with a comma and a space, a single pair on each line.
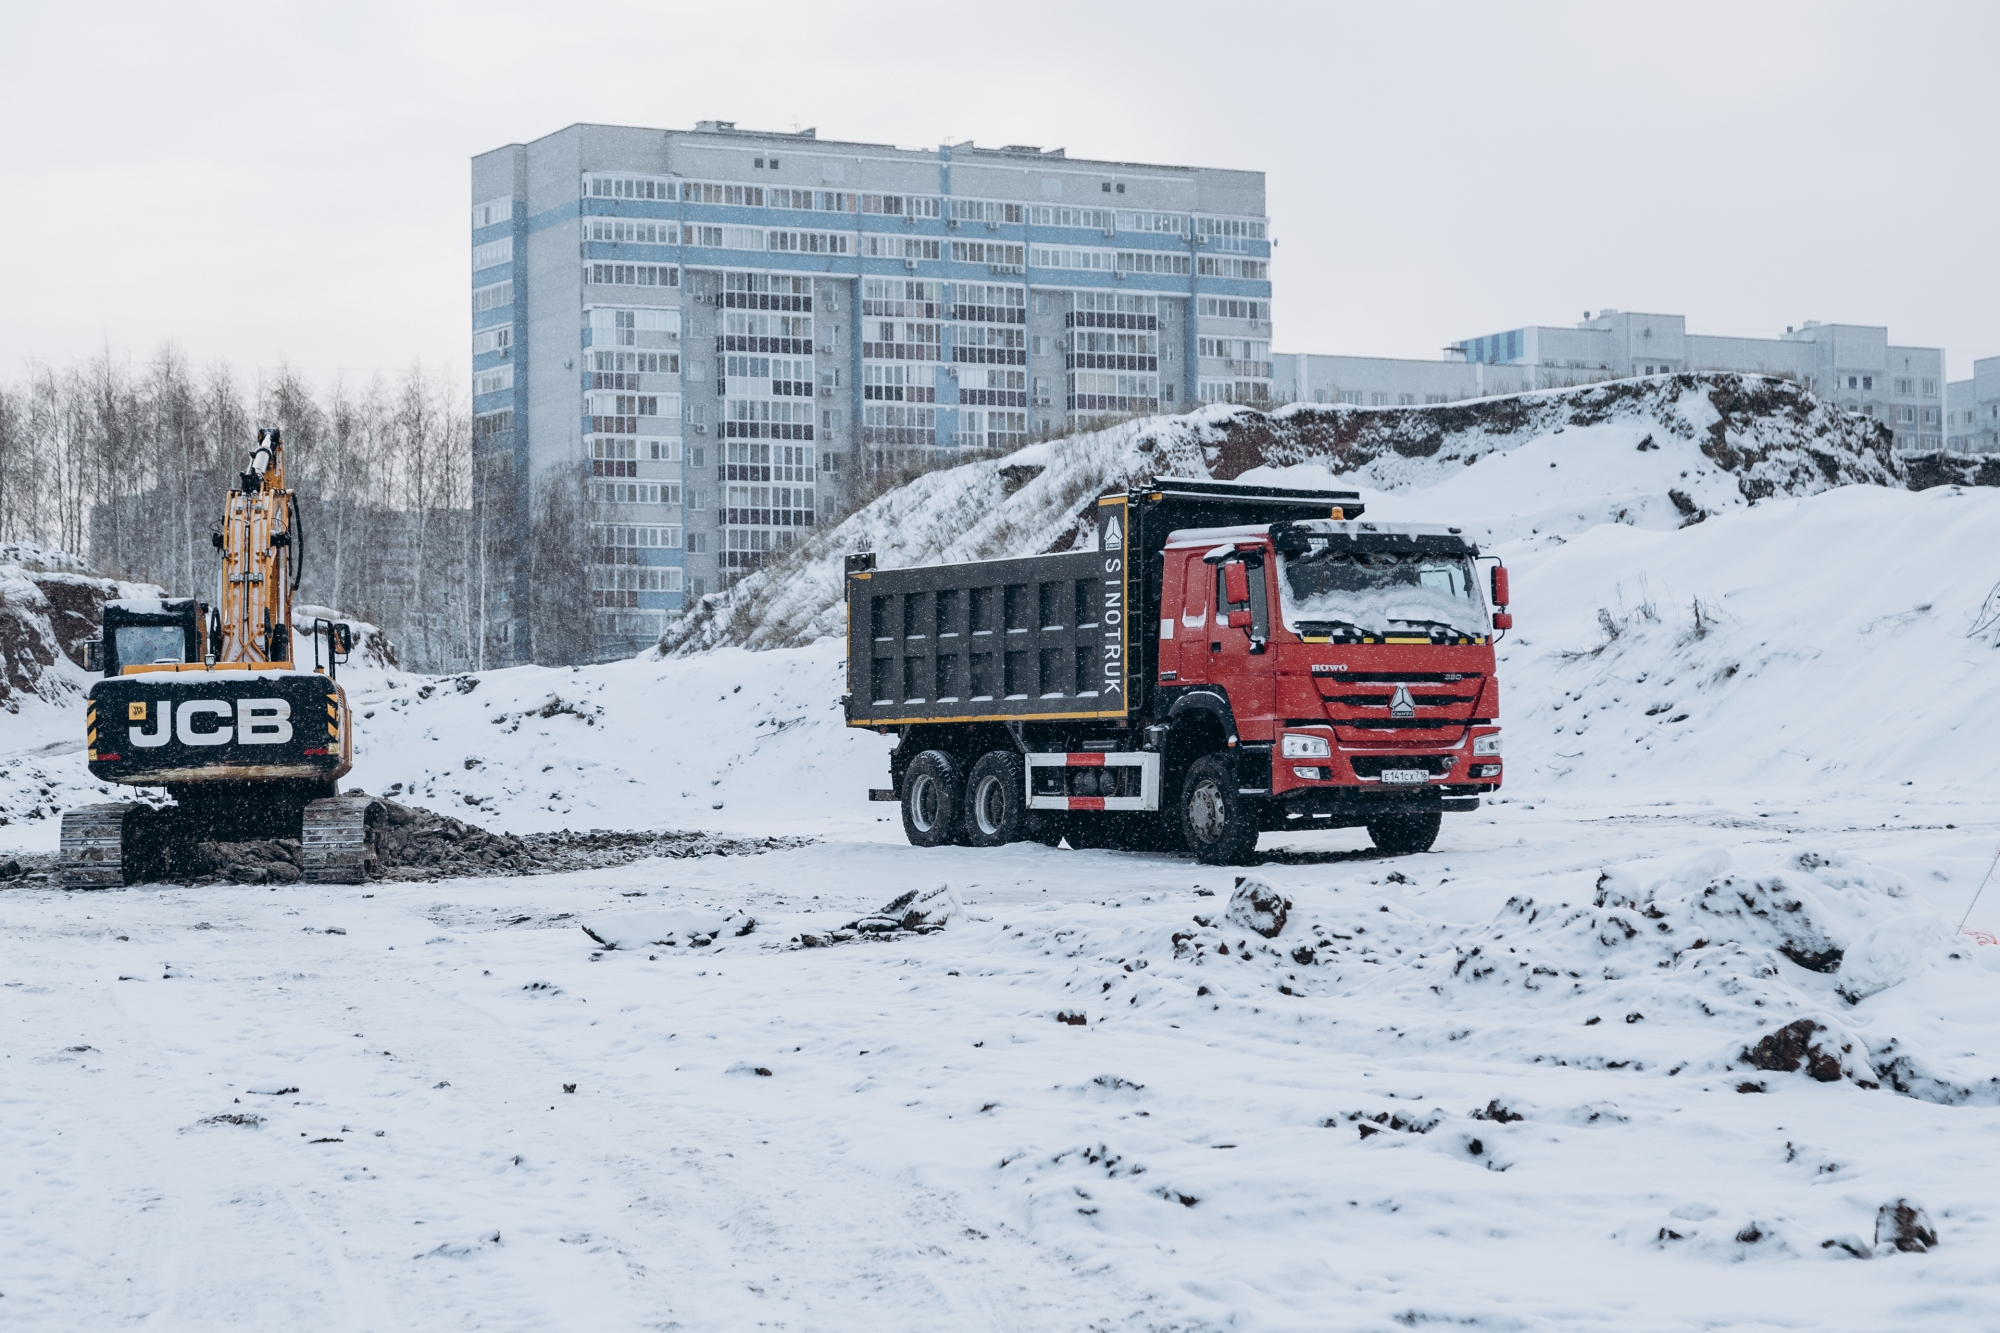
1496, 1086
933, 1147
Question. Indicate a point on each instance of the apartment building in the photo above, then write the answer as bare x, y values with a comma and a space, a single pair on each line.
698, 339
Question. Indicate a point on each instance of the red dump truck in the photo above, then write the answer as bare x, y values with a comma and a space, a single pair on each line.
1221, 661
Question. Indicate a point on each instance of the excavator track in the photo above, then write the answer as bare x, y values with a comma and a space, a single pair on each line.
92, 851
337, 841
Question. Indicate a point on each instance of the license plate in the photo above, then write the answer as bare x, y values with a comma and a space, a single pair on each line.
1411, 775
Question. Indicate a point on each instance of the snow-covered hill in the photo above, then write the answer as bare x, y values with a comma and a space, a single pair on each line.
1654, 453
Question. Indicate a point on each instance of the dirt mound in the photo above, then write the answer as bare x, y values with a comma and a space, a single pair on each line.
49, 604
420, 845
1927, 470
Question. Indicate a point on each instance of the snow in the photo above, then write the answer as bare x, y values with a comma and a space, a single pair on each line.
1499, 1085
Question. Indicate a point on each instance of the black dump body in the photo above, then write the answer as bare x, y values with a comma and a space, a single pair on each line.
1068, 636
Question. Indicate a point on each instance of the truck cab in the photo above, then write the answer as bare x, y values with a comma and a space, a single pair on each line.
1350, 664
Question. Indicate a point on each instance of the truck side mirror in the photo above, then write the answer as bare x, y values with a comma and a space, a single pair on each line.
93, 656
343, 638
1240, 619
1236, 583
1503, 620
1500, 597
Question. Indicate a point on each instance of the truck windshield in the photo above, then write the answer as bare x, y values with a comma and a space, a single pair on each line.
143, 645
1379, 592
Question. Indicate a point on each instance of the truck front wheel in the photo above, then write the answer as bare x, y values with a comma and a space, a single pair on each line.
1219, 828
932, 788
1402, 835
996, 800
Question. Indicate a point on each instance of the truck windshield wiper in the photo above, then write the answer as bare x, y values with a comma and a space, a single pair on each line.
1441, 624
1332, 624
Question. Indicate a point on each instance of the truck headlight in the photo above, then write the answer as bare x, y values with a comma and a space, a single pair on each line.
1486, 744
1307, 747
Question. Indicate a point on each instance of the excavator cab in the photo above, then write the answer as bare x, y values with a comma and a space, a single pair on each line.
164, 634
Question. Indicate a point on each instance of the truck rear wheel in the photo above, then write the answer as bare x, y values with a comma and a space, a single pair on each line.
932, 791
1404, 834
1219, 828
996, 800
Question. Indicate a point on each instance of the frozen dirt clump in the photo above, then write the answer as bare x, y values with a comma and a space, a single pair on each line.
1905, 1226
1257, 906
1796, 1046
670, 930
919, 910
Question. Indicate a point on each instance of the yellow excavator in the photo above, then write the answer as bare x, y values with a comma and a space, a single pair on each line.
209, 702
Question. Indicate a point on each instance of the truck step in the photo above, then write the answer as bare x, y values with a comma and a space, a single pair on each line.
338, 838
91, 854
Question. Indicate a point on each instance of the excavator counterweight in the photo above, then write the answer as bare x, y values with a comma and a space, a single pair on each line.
207, 701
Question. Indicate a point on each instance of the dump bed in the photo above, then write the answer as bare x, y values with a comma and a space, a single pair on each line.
1044, 637
1041, 637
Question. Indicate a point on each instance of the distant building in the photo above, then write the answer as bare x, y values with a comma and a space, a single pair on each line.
1853, 365
715, 329
1972, 410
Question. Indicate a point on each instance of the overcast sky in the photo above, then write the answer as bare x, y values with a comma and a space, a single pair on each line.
266, 182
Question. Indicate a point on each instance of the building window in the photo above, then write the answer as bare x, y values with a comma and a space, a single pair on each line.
1930, 388
1225, 266
1249, 229
1223, 307
493, 253
629, 230
632, 275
